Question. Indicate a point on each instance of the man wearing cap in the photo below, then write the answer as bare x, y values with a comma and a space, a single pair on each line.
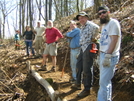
74, 37
109, 52
39, 39
89, 32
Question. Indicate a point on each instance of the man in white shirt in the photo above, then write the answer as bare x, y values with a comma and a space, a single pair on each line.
39, 40
109, 52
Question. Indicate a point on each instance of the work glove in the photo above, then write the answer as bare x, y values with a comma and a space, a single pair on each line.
107, 60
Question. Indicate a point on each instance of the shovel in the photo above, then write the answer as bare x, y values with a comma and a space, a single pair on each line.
64, 63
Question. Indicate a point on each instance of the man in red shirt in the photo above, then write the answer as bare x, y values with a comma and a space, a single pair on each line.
52, 36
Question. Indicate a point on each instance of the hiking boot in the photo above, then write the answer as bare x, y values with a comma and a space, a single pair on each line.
53, 69
43, 68
76, 86
84, 93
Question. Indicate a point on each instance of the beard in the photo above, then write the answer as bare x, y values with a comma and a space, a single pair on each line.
104, 20
49, 26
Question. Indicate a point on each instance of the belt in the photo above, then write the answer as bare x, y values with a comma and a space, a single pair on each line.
102, 52
75, 48
48, 43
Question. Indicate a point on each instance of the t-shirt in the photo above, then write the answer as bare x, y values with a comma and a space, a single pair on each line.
52, 35
111, 28
39, 31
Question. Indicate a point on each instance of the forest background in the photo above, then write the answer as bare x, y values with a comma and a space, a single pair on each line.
16, 14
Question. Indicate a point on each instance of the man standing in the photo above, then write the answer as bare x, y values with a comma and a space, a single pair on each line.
52, 35
109, 52
89, 32
39, 39
74, 38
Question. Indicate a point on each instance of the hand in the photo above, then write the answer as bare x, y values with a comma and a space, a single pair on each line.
54, 43
77, 55
107, 60
33, 41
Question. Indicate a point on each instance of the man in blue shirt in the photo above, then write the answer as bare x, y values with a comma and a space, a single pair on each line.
74, 36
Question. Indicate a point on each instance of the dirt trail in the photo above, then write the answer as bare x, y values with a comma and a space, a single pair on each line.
62, 84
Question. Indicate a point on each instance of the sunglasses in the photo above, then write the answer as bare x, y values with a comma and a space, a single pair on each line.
103, 12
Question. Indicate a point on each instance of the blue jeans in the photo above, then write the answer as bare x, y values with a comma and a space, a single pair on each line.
73, 56
106, 74
85, 68
29, 45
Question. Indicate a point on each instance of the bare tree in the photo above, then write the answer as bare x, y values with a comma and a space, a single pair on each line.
77, 5
5, 12
39, 9
50, 9
20, 15
56, 2
0, 28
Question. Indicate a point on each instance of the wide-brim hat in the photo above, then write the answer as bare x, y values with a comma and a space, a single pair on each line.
82, 14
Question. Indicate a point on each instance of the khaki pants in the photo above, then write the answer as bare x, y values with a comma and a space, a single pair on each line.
39, 45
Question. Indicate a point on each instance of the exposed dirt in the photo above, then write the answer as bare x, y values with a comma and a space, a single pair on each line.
24, 87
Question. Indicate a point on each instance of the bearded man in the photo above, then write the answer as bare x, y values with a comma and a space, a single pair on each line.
109, 52
52, 36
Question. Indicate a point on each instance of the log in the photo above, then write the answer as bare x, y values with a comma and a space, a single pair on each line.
44, 83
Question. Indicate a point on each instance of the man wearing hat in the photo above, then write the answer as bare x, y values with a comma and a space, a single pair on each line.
109, 52
89, 31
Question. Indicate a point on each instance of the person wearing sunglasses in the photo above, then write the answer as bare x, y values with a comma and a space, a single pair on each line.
110, 41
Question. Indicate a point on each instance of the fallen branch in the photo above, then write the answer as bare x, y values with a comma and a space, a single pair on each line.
52, 94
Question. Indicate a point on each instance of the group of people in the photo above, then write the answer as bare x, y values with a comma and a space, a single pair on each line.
82, 58
81, 42
42, 37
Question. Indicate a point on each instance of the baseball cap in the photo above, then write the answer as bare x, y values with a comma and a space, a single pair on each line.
104, 7
82, 14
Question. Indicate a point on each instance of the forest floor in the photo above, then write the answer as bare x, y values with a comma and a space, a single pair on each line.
16, 79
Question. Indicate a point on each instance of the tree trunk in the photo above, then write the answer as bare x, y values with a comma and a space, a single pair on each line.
50, 9
77, 5
57, 9
0, 28
20, 4
27, 12
46, 12
23, 16
30, 14
39, 9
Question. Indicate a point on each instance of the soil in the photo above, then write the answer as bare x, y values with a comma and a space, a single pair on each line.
24, 87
